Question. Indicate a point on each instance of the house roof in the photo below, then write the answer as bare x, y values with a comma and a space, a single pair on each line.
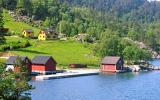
29, 30
12, 59
49, 30
42, 60
110, 60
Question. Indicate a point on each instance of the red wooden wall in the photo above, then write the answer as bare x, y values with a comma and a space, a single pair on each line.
49, 66
108, 68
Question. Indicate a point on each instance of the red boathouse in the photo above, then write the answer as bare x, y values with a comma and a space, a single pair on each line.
112, 64
43, 64
11, 63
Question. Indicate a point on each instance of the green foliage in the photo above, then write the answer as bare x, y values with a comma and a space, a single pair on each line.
1, 18
14, 45
135, 54
9, 4
107, 22
2, 38
109, 44
19, 63
12, 85
64, 27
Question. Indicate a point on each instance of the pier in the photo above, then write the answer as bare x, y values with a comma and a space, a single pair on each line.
69, 73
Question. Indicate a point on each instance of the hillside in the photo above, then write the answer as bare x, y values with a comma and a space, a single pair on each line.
16, 27
65, 52
131, 10
104, 22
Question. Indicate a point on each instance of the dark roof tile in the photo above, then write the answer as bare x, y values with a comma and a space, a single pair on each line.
41, 59
12, 59
110, 60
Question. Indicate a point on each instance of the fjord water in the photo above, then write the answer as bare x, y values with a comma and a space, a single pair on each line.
124, 86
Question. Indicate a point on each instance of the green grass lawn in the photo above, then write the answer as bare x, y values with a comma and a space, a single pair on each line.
64, 52
16, 27
10, 39
2, 60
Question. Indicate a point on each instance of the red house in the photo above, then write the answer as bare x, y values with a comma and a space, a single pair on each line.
112, 64
43, 64
12, 61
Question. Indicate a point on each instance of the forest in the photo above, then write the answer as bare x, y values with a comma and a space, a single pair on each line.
114, 26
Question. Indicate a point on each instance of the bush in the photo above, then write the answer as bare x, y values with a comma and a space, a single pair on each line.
14, 45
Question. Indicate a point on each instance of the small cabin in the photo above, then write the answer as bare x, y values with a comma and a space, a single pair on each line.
43, 64
28, 33
112, 64
11, 63
47, 34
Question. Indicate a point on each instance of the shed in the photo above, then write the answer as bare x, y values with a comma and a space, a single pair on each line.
112, 64
11, 63
27, 33
47, 34
43, 64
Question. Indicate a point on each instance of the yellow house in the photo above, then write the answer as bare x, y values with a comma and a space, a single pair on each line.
47, 34
28, 33
42, 35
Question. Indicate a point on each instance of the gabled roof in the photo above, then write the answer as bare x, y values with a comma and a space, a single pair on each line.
42, 60
12, 59
48, 30
110, 60
28, 30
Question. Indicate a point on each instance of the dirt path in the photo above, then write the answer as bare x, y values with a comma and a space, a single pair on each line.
6, 54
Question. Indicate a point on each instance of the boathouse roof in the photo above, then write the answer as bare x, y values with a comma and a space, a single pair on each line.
42, 60
12, 59
110, 60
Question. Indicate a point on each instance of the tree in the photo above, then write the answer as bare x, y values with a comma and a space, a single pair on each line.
24, 7
20, 7
9, 4
74, 30
1, 18
64, 27
133, 54
109, 44
13, 84
2, 38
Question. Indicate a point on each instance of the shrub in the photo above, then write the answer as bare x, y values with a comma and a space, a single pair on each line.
14, 45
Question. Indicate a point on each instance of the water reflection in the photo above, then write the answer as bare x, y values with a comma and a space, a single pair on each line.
122, 86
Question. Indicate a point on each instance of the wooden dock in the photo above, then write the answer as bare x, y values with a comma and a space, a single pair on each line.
156, 68
68, 74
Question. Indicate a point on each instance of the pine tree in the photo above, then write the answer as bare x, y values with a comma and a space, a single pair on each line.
1, 18
2, 38
20, 7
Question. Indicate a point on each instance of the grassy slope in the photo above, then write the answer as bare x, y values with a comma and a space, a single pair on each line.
65, 52
16, 27
2, 60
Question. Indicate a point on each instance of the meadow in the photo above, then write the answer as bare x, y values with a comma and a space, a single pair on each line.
2, 60
64, 52
15, 26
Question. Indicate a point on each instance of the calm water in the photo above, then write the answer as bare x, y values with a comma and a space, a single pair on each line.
127, 86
